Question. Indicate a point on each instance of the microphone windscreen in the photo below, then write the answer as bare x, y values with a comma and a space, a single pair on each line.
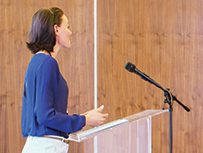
130, 67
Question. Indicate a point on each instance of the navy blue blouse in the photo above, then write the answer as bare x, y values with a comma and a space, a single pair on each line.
45, 99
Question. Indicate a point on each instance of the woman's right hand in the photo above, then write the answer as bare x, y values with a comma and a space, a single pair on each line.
95, 117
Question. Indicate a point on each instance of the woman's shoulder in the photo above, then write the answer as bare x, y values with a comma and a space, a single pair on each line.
41, 60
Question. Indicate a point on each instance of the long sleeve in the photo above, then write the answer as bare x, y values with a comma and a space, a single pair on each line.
46, 86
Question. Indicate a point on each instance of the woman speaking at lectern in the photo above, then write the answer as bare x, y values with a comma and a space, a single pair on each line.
45, 122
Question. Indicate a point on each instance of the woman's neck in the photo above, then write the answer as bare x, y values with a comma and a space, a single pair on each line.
43, 51
55, 50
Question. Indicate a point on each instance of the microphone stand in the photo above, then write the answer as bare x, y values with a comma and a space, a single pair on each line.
169, 98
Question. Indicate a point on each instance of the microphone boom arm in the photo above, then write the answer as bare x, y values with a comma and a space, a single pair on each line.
132, 68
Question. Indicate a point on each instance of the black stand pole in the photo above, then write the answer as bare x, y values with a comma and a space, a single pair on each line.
171, 129
169, 100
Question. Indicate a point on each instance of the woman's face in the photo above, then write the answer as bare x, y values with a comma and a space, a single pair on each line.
63, 33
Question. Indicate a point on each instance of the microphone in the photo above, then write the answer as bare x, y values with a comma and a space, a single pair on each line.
132, 68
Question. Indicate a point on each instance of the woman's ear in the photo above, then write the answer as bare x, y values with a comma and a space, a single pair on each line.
56, 29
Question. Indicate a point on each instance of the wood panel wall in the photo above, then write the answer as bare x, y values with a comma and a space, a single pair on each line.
163, 39
76, 64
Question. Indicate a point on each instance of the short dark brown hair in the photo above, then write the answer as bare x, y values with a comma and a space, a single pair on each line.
42, 35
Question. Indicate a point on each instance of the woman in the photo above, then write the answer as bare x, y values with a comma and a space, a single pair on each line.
45, 122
